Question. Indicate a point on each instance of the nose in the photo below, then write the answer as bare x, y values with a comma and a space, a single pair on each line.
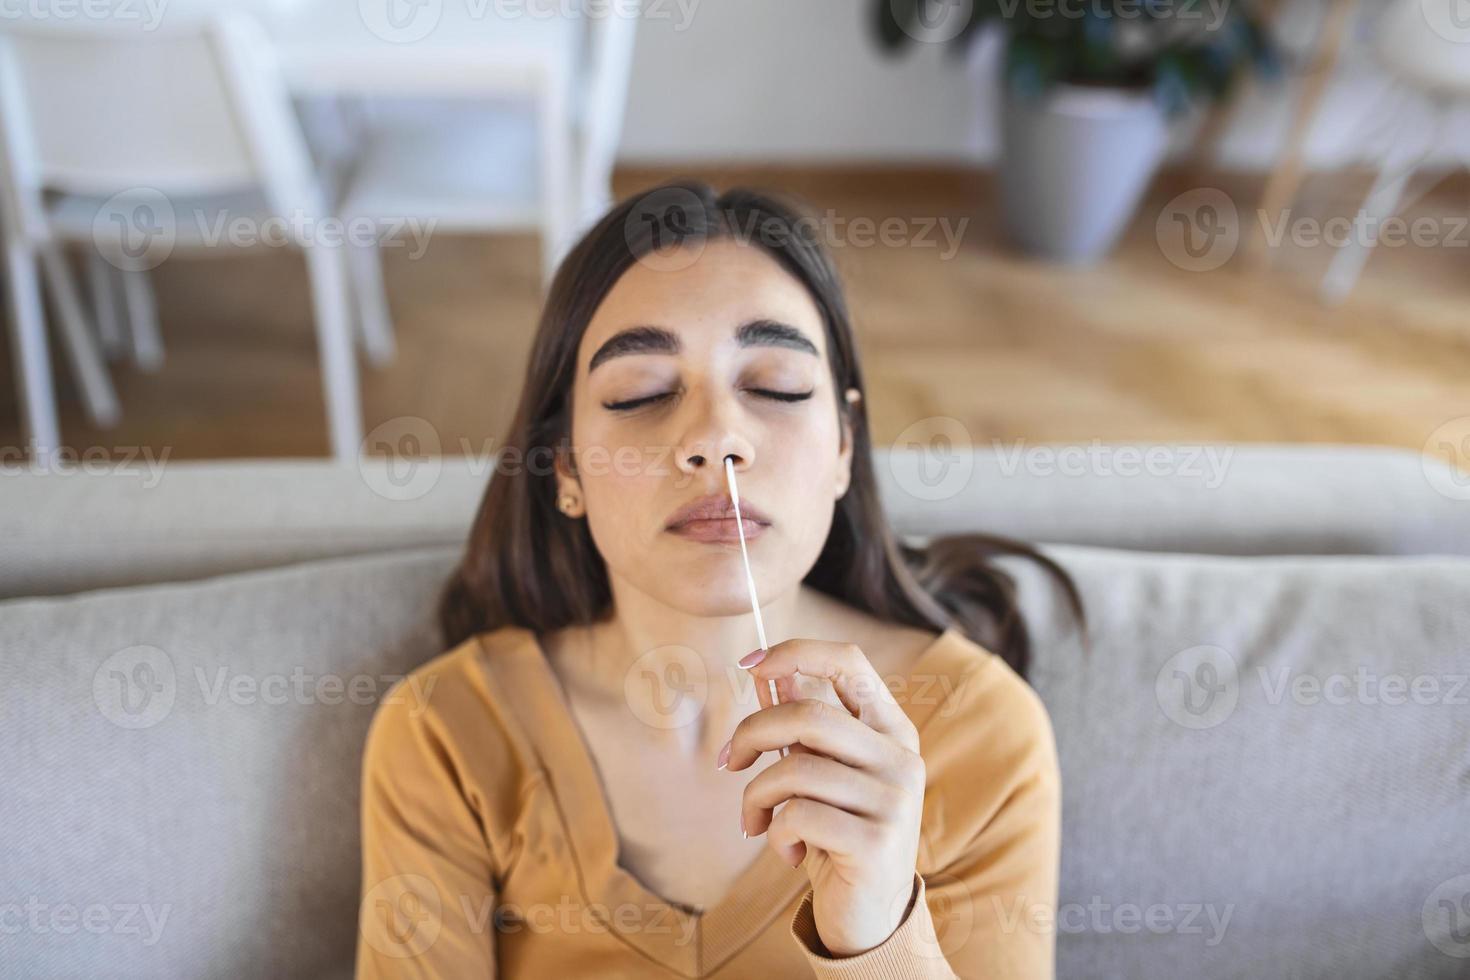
711, 438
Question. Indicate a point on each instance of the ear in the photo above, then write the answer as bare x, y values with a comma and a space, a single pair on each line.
844, 456
566, 474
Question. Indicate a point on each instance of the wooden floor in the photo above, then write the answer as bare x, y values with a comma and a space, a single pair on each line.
1134, 348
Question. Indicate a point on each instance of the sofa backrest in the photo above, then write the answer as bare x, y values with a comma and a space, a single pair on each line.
149, 520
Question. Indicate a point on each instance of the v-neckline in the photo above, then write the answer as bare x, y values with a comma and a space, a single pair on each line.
654, 926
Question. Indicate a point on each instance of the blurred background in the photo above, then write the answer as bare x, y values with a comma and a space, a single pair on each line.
278, 227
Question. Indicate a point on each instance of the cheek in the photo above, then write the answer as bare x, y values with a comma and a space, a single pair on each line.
802, 469
619, 480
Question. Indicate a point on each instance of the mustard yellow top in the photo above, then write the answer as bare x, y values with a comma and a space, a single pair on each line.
489, 849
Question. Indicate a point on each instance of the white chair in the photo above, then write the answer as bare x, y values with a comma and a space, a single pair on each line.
143, 142
23, 294
481, 165
1424, 44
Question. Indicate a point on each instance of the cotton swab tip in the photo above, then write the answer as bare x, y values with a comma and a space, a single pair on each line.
730, 479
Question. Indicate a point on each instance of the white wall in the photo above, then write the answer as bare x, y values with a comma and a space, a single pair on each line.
804, 80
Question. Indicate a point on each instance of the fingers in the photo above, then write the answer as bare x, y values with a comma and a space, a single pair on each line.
819, 726
852, 676
813, 777
807, 823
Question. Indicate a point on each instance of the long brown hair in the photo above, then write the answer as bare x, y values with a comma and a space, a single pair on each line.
527, 565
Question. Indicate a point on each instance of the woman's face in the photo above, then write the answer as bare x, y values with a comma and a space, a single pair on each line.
722, 353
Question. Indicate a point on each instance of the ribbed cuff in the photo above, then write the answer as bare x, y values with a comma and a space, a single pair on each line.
911, 952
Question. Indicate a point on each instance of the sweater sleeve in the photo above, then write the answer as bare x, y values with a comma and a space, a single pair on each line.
988, 907
428, 898
911, 953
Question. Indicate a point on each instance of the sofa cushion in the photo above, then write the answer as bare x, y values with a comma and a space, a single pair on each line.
181, 766
181, 763
1270, 757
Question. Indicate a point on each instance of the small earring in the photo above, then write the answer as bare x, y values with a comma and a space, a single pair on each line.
567, 503
852, 395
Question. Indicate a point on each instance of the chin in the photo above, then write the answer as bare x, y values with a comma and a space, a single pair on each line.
711, 599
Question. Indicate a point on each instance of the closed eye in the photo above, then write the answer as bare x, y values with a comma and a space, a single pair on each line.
780, 396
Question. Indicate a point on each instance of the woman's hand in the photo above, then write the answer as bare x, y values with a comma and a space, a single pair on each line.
852, 788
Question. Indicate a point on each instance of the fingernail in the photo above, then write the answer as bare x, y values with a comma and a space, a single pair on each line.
742, 826
752, 658
724, 757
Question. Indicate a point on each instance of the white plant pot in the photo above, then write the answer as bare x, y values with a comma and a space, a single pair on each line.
1074, 164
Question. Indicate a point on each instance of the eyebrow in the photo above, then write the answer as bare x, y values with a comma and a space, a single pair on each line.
660, 340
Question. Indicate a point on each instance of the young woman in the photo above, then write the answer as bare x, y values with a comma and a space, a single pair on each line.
591, 781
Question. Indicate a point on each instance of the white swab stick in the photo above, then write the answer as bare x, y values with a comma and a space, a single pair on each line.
755, 606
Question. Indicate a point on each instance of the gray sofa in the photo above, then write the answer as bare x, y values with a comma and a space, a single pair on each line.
1265, 738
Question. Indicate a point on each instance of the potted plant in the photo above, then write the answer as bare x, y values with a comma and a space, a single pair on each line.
1089, 90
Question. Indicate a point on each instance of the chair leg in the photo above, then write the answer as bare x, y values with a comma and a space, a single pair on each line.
76, 336
1381, 203
1286, 173
365, 263
28, 341
102, 283
142, 320
327, 268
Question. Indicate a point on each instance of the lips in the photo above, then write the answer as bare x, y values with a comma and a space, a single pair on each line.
715, 510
